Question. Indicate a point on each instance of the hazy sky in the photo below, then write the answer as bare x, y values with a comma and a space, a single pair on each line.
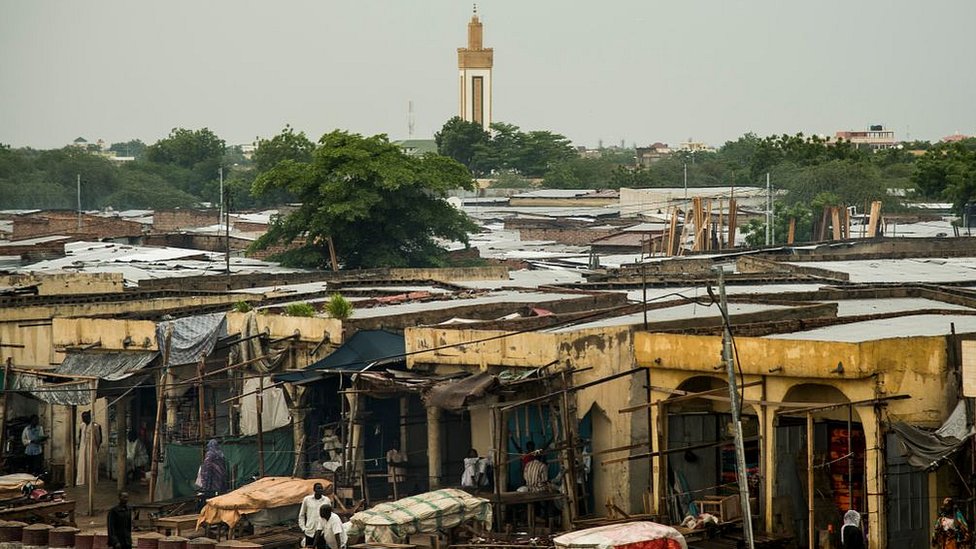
638, 70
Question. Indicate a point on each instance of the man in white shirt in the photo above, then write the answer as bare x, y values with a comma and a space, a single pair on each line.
329, 533
308, 514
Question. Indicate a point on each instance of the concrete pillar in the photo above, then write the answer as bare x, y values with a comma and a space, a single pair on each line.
434, 461
874, 473
768, 433
121, 436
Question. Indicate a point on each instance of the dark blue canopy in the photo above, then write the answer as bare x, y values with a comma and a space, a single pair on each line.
365, 347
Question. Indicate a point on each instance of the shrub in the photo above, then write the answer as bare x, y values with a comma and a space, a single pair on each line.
338, 307
299, 309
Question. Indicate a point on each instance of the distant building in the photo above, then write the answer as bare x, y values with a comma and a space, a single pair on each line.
875, 138
417, 147
247, 150
652, 153
474, 68
80, 142
695, 146
955, 137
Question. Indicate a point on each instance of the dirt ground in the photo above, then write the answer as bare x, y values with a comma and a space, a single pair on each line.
106, 496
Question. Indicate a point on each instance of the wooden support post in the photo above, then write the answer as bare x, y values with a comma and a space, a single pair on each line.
835, 222
202, 429
160, 403
434, 461
404, 429
811, 529
332, 255
569, 428
260, 408
3, 405
121, 430
791, 235
708, 225
721, 226
824, 220
92, 455
72, 444
874, 219
733, 216
673, 234
650, 432
662, 445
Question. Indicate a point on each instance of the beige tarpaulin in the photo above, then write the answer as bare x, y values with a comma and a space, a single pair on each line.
264, 493
12, 486
424, 513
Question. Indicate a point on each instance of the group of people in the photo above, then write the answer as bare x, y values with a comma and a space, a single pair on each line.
949, 532
322, 527
89, 442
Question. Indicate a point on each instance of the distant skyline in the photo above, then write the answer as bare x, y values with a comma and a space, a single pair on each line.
633, 70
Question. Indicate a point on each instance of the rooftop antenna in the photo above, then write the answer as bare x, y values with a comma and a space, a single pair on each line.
410, 119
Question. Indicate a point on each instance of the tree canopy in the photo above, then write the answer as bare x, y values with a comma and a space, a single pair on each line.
380, 207
508, 148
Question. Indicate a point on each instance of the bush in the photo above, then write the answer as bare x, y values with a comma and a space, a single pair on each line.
242, 307
338, 307
299, 309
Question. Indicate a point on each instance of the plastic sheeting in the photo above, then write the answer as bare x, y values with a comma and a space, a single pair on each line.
631, 535
261, 495
424, 513
274, 409
107, 366
183, 460
926, 449
72, 393
192, 337
452, 395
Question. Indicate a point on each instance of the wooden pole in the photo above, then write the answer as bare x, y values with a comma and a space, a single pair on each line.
874, 219
791, 235
92, 468
71, 468
434, 461
662, 445
160, 402
835, 222
569, 427
260, 409
121, 407
733, 214
201, 364
332, 255
811, 530
3, 406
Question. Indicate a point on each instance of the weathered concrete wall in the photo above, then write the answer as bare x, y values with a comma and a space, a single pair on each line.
109, 333
67, 283
174, 220
563, 202
64, 222
574, 237
603, 351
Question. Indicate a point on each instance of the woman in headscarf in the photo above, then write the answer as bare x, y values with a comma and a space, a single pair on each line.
851, 536
213, 472
951, 530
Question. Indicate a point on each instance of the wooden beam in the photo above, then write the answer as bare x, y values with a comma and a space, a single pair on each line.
835, 222
874, 219
835, 405
683, 395
733, 215
811, 529
791, 235
668, 451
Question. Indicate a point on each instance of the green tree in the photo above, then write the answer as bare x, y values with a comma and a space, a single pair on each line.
948, 171
381, 207
460, 140
287, 145
133, 147
186, 148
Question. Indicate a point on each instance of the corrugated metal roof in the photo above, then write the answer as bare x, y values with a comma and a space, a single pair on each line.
109, 366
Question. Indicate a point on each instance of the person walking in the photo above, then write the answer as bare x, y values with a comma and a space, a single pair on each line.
120, 524
33, 438
308, 513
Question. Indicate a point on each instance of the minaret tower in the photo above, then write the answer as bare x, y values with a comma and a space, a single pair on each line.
474, 68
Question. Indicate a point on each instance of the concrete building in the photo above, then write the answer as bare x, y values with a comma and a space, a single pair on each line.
474, 74
875, 138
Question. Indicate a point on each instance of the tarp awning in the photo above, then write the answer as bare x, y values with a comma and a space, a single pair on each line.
364, 348
424, 513
44, 388
927, 449
632, 535
264, 493
191, 337
108, 366
452, 395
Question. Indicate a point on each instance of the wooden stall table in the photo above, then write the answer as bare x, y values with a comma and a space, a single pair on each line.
529, 499
177, 523
46, 512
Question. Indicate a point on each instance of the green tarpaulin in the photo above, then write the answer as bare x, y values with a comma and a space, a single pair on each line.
183, 460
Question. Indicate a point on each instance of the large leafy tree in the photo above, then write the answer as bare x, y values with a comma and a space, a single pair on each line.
381, 207
948, 171
462, 140
199, 153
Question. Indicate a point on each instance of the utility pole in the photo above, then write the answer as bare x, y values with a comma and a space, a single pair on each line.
686, 181
226, 224
220, 174
740, 451
769, 212
79, 205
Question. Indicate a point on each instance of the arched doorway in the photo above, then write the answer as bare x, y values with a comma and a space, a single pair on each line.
703, 426
838, 462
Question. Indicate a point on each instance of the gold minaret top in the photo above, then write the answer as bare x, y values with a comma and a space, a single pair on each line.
475, 56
